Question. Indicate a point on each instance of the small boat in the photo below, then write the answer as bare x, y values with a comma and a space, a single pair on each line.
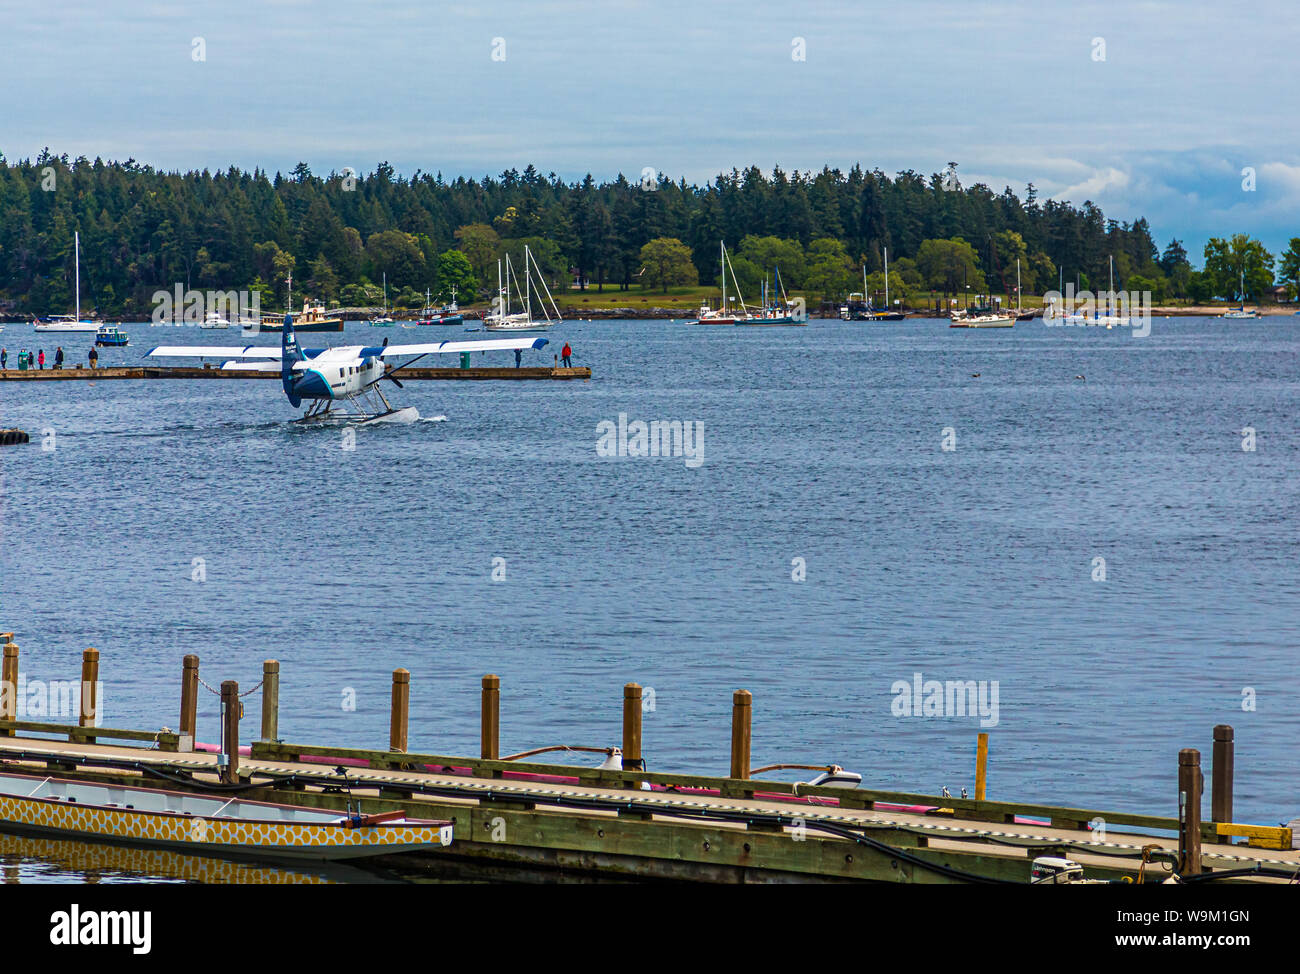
70, 323
448, 314
864, 311
981, 318
313, 317
773, 312
200, 825
1242, 312
214, 322
722, 315
383, 320
111, 335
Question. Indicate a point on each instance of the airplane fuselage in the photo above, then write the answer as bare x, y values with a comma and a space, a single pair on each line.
335, 373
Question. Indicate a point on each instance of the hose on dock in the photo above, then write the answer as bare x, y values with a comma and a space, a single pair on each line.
772, 819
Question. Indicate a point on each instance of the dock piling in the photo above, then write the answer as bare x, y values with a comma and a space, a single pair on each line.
89, 685
632, 727
230, 714
742, 706
401, 709
189, 696
490, 727
9, 684
981, 765
1221, 793
1190, 784
270, 700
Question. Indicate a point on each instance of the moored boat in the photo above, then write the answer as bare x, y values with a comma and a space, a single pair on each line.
200, 825
111, 335
70, 323
723, 315
501, 318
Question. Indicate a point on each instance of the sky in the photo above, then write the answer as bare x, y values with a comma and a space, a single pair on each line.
1146, 108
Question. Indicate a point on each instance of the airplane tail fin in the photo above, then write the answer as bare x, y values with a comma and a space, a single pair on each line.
290, 354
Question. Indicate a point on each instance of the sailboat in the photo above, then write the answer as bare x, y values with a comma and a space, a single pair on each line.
501, 318
887, 314
70, 323
1241, 312
1110, 319
1021, 315
384, 320
774, 311
723, 315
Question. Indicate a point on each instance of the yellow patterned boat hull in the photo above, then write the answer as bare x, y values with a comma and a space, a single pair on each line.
201, 825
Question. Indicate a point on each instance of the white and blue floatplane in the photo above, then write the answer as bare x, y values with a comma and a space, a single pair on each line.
340, 384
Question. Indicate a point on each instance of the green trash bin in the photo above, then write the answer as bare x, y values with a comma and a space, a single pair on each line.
464, 360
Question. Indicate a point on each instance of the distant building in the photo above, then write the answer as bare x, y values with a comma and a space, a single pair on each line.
1279, 294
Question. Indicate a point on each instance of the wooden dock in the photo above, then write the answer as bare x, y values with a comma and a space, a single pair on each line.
524, 820
208, 372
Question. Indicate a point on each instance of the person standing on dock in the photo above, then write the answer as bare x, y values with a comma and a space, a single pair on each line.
519, 355
93, 358
566, 354
58, 357
4, 358
41, 359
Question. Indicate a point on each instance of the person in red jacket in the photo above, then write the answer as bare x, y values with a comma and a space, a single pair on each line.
40, 358
565, 355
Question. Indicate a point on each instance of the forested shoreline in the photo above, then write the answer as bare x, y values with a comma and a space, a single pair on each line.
143, 230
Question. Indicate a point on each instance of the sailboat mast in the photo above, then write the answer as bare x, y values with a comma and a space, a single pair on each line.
1017, 285
528, 280
886, 278
722, 259
76, 238
385, 293
1110, 293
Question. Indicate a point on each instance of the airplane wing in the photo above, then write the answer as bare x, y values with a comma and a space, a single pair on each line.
215, 351
233, 366
473, 345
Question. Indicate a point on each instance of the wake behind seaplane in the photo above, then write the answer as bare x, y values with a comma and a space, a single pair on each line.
341, 384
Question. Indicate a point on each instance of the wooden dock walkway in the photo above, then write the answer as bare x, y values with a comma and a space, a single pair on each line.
206, 372
534, 821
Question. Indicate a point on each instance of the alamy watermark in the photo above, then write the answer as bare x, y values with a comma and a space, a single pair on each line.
658, 438
1108, 309
181, 307
62, 699
950, 698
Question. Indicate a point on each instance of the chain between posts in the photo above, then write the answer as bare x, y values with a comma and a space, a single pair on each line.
215, 692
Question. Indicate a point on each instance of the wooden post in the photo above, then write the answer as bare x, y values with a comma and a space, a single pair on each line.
270, 700
490, 725
742, 706
89, 684
401, 708
230, 714
981, 765
632, 727
1221, 795
1189, 811
9, 686
189, 696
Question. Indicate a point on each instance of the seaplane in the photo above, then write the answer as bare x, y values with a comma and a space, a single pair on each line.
339, 384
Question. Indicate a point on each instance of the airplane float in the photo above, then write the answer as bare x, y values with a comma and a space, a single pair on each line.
340, 384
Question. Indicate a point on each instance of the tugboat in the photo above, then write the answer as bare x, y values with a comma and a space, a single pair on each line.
111, 335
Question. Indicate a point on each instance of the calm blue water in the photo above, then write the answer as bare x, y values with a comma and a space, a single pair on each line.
821, 443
